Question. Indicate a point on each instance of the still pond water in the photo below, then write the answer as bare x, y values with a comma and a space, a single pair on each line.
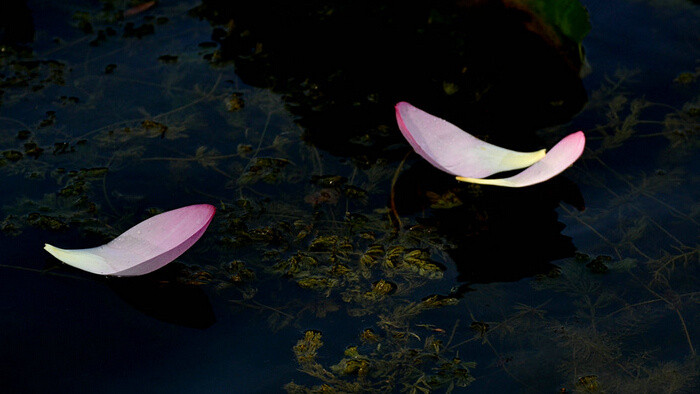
337, 260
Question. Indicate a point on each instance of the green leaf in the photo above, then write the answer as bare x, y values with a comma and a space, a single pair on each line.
569, 17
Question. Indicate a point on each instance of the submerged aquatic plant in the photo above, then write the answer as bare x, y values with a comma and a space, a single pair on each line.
145, 247
306, 239
452, 150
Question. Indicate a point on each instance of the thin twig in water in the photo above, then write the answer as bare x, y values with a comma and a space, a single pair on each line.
392, 202
260, 307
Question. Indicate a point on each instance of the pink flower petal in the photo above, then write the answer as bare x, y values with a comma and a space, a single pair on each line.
558, 159
454, 151
145, 247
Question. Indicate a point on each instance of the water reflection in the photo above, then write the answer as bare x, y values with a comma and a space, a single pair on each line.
166, 296
476, 62
499, 234
282, 247
477, 65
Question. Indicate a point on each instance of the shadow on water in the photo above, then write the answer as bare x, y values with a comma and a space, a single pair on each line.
164, 296
479, 64
16, 23
170, 294
475, 62
493, 228
112, 119
493, 75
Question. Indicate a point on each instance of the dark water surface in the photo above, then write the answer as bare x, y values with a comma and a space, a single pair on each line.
281, 115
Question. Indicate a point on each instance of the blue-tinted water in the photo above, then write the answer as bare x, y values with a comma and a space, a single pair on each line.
554, 321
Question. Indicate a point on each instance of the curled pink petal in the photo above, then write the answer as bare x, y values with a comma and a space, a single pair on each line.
145, 247
454, 151
558, 159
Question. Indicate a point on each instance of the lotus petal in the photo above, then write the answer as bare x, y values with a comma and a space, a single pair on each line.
558, 159
145, 247
454, 151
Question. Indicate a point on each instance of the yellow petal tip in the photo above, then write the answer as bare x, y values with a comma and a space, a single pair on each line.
522, 159
481, 181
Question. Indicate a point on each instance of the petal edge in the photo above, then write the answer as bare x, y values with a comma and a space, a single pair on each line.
558, 159
145, 247
455, 151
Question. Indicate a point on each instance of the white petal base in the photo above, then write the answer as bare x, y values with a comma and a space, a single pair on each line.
145, 247
451, 149
82, 259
